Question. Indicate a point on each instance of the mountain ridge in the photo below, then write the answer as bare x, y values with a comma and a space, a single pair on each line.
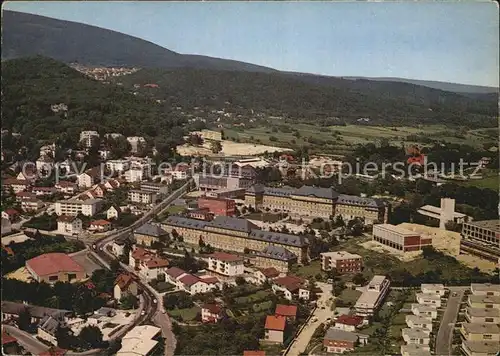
25, 35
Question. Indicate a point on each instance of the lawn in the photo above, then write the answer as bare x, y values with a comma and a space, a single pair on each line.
350, 295
187, 314
176, 209
490, 182
162, 287
253, 298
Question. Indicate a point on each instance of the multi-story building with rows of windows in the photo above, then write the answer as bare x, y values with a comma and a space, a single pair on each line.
314, 202
481, 238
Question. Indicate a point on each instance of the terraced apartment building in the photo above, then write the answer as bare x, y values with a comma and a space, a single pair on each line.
312, 202
235, 234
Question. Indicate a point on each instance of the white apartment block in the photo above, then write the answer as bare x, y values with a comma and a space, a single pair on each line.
141, 197
226, 264
482, 315
420, 322
73, 207
118, 165
427, 298
69, 225
429, 311
372, 297
437, 289
137, 172
416, 336
415, 350
486, 289
89, 138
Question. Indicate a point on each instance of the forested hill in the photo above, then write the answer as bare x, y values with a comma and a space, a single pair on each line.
25, 35
281, 94
31, 85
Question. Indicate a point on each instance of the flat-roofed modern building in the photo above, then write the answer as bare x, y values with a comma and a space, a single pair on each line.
415, 350
421, 322
426, 310
480, 348
142, 340
416, 336
225, 264
480, 315
437, 289
341, 261
481, 238
372, 297
73, 207
484, 302
446, 212
486, 289
428, 298
480, 332
399, 238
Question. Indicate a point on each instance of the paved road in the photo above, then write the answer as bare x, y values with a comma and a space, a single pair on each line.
445, 333
302, 340
26, 340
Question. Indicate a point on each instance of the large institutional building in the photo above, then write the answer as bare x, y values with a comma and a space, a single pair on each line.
399, 238
317, 202
481, 238
234, 234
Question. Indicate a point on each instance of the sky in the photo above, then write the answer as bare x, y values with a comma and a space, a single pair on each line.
445, 41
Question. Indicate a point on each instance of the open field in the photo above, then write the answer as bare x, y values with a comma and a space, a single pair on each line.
342, 139
491, 181
187, 314
229, 148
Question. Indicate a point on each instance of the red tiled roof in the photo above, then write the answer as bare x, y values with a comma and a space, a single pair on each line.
141, 254
175, 272
291, 283
254, 353
124, 280
93, 172
212, 308
54, 351
188, 280
352, 320
66, 184
113, 183
66, 218
286, 310
226, 257
14, 181
210, 279
52, 263
26, 195
157, 262
44, 189
100, 222
11, 212
7, 339
275, 322
270, 272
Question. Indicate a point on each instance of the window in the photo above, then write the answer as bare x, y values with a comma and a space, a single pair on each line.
488, 320
487, 337
71, 276
53, 278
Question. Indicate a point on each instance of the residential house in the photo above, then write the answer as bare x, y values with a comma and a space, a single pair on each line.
480, 315
437, 289
148, 234
28, 174
66, 187
291, 286
484, 302
348, 322
100, 225
429, 311
419, 322
11, 311
341, 261
415, 350
99, 191
211, 313
90, 177
69, 225
275, 256
263, 275
194, 284
480, 332
24, 196
372, 296
429, 298
32, 205
275, 329
254, 353
10, 214
287, 311
117, 247
89, 138
17, 185
113, 212
480, 348
225, 264
147, 264
141, 197
339, 341
118, 165
485, 289
44, 191
125, 285
416, 336
112, 184
47, 329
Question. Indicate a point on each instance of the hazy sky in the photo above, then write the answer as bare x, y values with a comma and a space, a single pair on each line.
445, 41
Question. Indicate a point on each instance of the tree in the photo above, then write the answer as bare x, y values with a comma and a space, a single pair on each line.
24, 319
216, 146
91, 336
240, 280
359, 279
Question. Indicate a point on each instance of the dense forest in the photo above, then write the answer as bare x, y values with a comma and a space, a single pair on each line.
31, 85
289, 96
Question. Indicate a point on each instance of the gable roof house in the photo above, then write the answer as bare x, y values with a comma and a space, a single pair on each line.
292, 287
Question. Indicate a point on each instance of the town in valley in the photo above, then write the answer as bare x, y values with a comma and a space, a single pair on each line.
216, 207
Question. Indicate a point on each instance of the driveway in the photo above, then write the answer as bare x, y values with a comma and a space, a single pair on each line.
300, 343
445, 333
